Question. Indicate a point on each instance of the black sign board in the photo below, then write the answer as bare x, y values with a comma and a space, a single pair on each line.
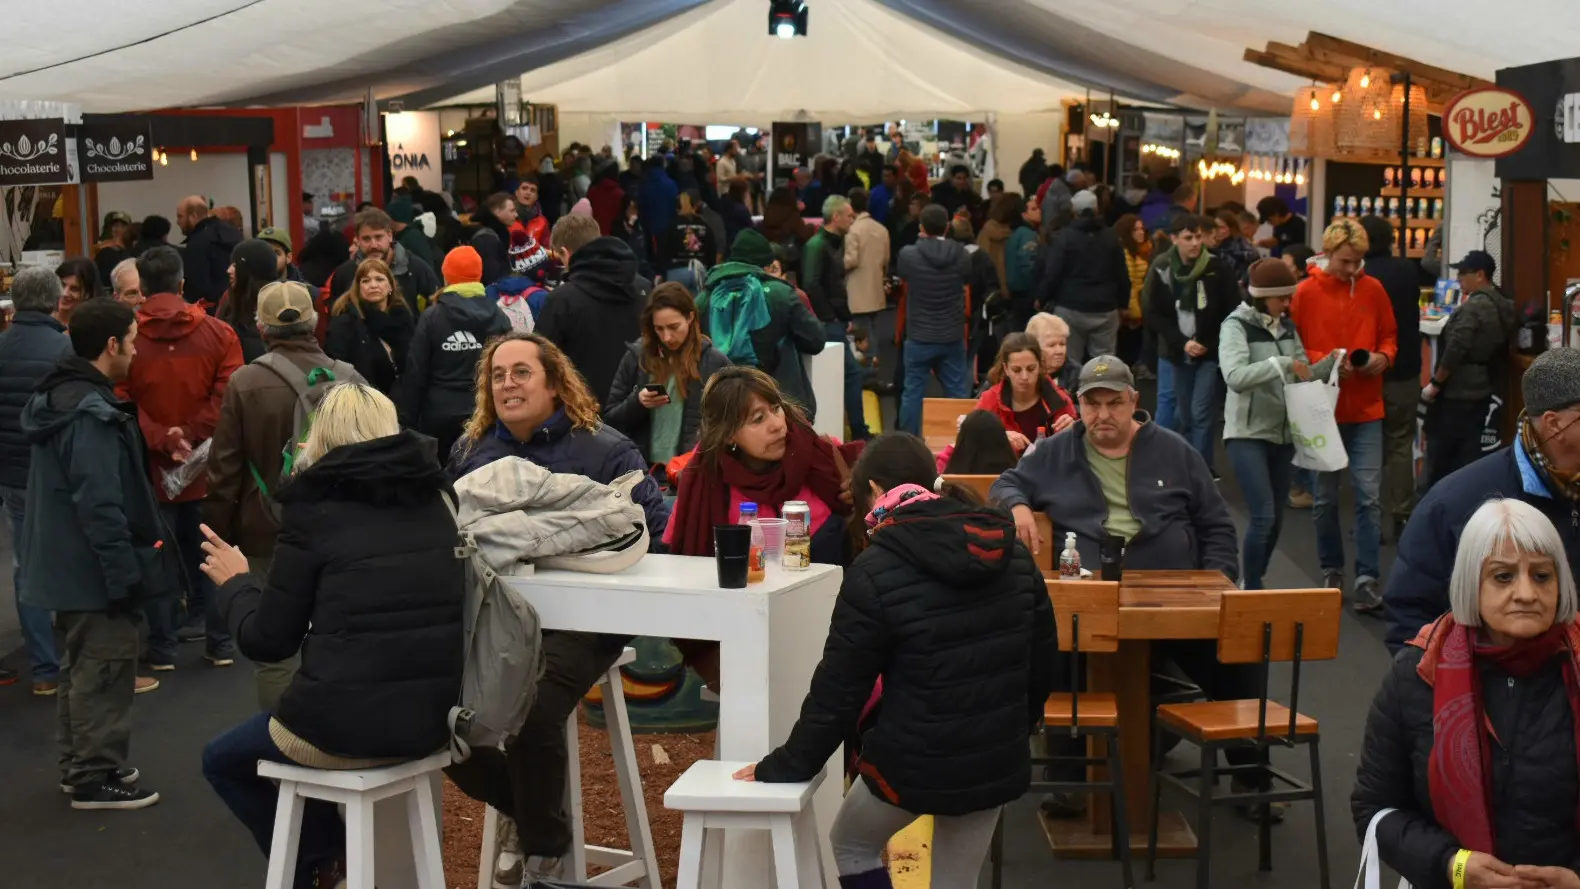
1553, 90
794, 145
33, 152
115, 150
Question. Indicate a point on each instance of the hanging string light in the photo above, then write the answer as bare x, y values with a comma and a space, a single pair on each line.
1338, 96
1366, 79
194, 155
164, 158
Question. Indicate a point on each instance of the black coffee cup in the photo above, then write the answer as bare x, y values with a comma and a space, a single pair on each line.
1359, 358
1111, 556
732, 546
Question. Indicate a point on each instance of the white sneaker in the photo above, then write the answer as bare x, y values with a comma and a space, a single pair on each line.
539, 868
508, 863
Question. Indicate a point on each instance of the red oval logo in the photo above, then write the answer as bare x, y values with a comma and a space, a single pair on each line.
1488, 121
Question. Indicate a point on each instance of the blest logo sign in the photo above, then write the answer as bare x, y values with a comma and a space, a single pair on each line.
1488, 122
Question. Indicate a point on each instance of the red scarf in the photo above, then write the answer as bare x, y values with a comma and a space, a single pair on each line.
704, 499
1459, 772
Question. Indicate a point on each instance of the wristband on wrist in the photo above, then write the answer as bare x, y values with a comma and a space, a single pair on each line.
1461, 859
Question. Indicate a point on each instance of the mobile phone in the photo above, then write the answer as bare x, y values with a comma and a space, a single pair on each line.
654, 389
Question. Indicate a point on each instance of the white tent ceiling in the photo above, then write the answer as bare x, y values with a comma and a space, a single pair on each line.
859, 62
863, 56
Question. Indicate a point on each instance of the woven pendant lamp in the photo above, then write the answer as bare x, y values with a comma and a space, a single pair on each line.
1368, 123
1311, 130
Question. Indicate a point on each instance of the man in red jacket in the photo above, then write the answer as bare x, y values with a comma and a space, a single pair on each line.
1342, 307
178, 382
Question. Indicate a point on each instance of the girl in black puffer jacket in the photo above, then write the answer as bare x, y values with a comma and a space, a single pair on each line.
951, 612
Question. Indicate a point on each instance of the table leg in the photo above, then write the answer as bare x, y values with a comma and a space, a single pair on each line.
1128, 675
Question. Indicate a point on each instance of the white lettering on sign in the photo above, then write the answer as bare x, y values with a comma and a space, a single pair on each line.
1569, 118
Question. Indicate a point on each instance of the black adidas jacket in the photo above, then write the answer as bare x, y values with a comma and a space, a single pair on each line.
952, 612
441, 366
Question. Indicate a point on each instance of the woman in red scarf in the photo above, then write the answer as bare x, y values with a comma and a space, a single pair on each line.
1472, 739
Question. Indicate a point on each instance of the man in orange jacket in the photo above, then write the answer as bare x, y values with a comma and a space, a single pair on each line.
1341, 307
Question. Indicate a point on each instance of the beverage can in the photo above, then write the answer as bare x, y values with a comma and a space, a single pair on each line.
797, 554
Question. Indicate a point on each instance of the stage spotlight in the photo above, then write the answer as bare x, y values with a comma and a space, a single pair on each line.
787, 18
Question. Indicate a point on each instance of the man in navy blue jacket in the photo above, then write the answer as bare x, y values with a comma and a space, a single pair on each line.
1542, 468
29, 350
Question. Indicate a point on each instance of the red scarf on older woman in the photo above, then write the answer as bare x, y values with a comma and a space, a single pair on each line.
1459, 772
704, 500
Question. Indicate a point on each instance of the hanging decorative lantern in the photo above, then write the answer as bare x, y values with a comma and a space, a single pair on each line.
1367, 122
1417, 123
1311, 121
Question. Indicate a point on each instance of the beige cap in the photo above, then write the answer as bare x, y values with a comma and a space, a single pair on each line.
284, 303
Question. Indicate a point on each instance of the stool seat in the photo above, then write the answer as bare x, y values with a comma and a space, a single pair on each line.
709, 786
354, 779
1098, 709
1230, 720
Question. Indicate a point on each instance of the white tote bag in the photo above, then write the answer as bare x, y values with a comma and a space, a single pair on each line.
1310, 407
1371, 862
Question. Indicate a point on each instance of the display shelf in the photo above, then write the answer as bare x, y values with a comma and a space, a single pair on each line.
1387, 159
1416, 223
1416, 192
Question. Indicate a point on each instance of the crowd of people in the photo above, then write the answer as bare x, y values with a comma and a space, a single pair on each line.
231, 451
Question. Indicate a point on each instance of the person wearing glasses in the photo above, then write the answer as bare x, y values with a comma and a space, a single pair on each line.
1542, 469
1342, 307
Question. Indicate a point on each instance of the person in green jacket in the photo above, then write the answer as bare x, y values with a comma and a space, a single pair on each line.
1020, 264
755, 317
408, 234
1259, 351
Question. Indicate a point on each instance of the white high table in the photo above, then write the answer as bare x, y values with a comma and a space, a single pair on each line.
770, 639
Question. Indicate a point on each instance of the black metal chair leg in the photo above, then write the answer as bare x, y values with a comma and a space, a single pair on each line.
1208, 784
1322, 824
997, 851
1157, 799
1121, 814
1264, 814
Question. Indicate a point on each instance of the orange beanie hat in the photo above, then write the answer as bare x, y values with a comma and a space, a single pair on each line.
463, 265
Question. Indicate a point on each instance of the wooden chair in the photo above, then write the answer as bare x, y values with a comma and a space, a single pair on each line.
981, 484
1253, 628
939, 415
1087, 616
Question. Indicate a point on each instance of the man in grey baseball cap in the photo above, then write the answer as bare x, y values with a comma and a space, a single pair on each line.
1542, 468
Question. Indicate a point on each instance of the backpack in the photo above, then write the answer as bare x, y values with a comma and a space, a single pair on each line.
503, 655
310, 388
518, 309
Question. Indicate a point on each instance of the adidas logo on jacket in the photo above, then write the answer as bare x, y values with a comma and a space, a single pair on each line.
461, 341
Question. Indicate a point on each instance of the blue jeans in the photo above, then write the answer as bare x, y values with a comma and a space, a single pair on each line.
1364, 444
1263, 470
38, 634
1166, 416
230, 763
183, 521
855, 409
948, 361
1196, 385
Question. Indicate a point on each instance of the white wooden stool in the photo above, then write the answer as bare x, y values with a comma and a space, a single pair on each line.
639, 865
713, 800
359, 791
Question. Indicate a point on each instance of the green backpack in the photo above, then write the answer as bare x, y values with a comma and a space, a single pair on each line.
310, 388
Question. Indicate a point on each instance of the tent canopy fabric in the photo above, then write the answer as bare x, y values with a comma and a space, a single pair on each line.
863, 58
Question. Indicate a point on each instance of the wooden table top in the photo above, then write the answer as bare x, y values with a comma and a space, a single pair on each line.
1170, 604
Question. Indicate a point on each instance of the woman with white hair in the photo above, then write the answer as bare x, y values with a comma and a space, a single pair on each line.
1471, 743
365, 585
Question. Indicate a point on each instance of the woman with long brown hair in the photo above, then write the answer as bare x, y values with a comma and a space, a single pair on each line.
1132, 341
1022, 395
370, 326
656, 398
754, 446
533, 403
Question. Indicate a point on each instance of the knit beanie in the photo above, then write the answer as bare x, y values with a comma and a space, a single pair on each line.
583, 208
255, 259
752, 248
1271, 277
1553, 382
463, 265
401, 210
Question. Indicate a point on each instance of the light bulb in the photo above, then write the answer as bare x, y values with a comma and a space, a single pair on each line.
1376, 114
1300, 179
194, 155
164, 159
1315, 105
1366, 79
1337, 96
785, 30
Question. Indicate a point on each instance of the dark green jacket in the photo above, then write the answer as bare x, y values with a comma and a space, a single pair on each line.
823, 276
1475, 343
91, 538
792, 330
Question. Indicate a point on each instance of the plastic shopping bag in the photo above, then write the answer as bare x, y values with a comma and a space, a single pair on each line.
1371, 861
184, 474
1312, 423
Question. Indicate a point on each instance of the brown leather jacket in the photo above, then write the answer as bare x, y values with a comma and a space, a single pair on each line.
256, 421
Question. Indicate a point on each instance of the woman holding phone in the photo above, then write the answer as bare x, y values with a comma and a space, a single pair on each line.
656, 398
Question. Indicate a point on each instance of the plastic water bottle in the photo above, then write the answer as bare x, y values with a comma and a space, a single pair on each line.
747, 513
1070, 559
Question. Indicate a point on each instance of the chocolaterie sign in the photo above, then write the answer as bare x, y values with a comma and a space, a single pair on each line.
33, 152
115, 150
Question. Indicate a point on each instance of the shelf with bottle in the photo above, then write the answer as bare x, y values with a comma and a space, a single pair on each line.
1416, 223
1415, 192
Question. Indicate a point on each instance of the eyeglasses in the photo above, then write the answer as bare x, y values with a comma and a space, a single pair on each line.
518, 375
